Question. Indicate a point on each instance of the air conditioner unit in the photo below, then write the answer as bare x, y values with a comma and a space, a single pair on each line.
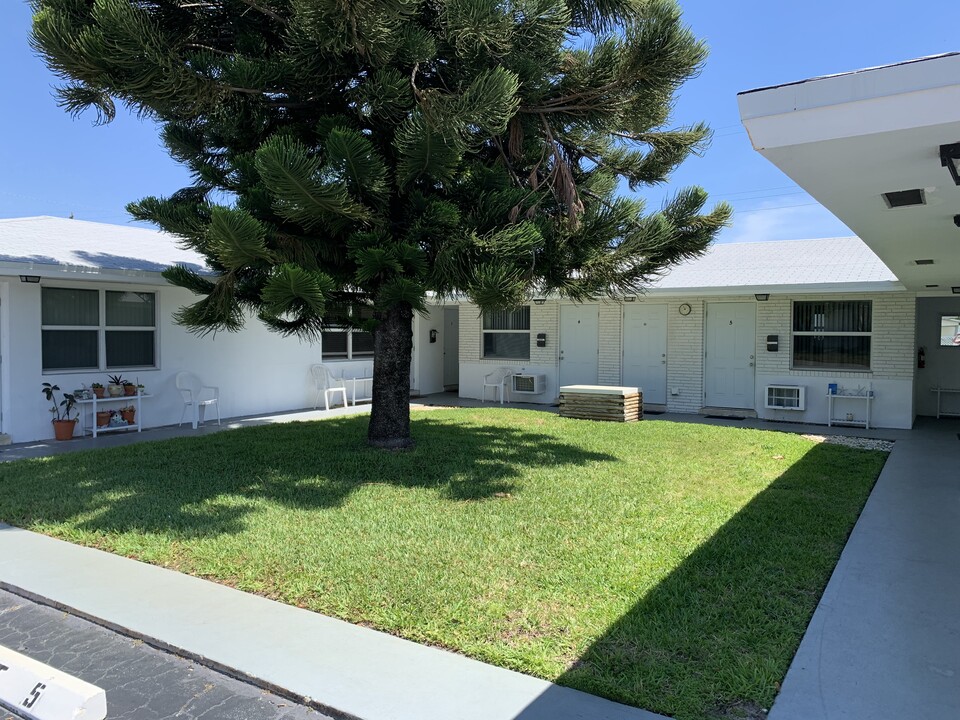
786, 397
528, 384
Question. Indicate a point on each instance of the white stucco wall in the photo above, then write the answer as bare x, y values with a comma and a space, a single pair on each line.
257, 371
891, 375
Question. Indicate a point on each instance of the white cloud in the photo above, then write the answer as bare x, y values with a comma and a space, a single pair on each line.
775, 222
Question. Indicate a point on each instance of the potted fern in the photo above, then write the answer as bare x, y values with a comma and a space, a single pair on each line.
63, 424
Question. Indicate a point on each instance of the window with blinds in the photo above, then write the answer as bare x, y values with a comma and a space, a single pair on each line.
832, 335
506, 334
97, 329
348, 343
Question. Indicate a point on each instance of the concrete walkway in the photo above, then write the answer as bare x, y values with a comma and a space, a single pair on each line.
884, 642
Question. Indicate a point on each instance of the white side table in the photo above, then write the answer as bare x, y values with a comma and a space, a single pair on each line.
105, 402
940, 411
832, 397
351, 385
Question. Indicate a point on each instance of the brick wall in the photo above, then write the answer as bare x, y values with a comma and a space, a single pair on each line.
610, 344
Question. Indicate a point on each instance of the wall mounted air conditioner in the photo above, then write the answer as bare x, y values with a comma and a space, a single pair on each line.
786, 397
528, 384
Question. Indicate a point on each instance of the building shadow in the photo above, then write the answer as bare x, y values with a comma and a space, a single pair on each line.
715, 637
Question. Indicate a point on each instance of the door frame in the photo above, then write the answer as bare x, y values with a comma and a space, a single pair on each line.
752, 405
666, 345
560, 344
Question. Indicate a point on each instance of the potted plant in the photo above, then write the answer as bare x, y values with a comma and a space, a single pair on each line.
141, 390
98, 390
103, 417
115, 388
129, 388
63, 424
128, 414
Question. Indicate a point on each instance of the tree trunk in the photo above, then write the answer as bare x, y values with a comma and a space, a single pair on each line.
392, 345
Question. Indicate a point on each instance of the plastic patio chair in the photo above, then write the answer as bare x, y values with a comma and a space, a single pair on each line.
328, 385
192, 390
498, 380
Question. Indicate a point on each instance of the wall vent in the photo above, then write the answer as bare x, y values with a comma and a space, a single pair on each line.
904, 198
786, 397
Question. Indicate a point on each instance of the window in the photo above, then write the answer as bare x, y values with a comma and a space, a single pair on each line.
832, 335
506, 334
348, 343
97, 329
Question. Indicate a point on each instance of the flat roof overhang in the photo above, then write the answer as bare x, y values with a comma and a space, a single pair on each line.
847, 139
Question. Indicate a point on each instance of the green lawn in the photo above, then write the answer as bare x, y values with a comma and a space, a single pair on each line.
669, 566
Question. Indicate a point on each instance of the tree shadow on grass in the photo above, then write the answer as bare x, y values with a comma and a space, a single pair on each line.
207, 486
720, 630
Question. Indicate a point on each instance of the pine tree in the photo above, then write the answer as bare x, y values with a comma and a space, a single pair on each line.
351, 157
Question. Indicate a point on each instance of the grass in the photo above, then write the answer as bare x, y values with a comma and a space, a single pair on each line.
669, 566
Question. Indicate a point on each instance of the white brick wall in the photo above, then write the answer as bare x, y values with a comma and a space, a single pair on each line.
610, 343
891, 376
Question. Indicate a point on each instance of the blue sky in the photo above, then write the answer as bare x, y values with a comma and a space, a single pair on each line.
54, 165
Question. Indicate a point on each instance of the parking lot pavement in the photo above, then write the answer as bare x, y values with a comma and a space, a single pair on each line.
141, 682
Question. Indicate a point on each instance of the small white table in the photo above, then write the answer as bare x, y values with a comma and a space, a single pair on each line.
105, 401
940, 391
351, 385
831, 397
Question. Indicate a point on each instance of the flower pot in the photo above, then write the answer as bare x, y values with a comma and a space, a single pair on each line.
128, 415
115, 390
99, 392
63, 429
129, 390
103, 418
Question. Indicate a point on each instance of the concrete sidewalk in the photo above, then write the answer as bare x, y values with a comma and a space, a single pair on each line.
884, 642
343, 669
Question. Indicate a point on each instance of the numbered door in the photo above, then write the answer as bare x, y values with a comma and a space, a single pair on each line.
731, 346
645, 350
579, 344
451, 348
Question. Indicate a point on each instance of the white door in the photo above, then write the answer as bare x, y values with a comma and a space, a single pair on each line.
451, 347
645, 350
579, 344
731, 345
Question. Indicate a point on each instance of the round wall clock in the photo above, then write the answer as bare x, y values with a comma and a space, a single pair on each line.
685, 309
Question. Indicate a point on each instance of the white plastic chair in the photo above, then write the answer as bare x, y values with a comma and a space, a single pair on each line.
328, 385
498, 380
191, 389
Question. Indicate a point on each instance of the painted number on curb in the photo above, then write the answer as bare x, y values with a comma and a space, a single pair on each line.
34, 695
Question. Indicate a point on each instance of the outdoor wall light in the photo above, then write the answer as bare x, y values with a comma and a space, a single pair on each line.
762, 297
956, 220
629, 298
433, 336
30, 278
950, 159
539, 300
956, 290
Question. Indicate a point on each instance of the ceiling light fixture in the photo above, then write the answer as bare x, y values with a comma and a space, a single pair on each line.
956, 289
926, 261
950, 159
629, 298
30, 278
762, 297
539, 300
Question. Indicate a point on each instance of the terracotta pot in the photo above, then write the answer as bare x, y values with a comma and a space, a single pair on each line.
103, 418
99, 392
128, 416
115, 390
63, 429
129, 390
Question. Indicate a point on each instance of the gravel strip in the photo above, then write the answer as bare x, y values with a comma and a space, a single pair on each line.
854, 442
